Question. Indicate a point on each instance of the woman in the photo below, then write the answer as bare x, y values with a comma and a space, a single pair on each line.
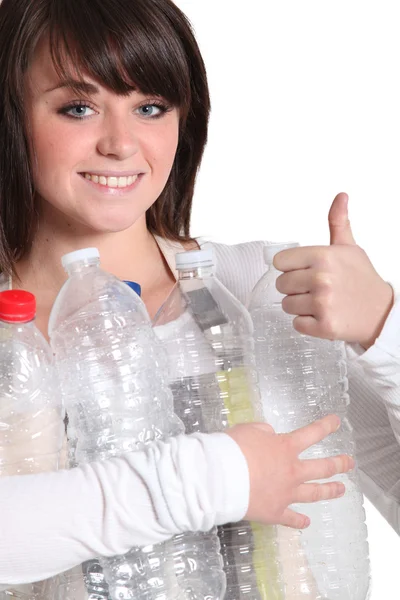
103, 121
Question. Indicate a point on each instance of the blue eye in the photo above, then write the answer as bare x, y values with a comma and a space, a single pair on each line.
80, 111
151, 110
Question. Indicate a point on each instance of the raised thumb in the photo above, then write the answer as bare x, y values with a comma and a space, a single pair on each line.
339, 224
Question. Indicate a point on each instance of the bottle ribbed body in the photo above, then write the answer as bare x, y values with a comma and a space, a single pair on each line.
208, 337
113, 380
303, 379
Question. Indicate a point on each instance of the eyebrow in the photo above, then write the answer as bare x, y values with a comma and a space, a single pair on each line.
81, 86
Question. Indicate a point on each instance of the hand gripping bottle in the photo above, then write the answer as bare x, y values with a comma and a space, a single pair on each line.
31, 412
209, 341
113, 380
301, 380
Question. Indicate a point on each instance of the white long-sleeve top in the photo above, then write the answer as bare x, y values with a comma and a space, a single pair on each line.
53, 521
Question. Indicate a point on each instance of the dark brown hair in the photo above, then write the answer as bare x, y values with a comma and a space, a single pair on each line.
125, 44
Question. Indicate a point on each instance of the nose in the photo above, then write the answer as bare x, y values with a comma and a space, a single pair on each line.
118, 139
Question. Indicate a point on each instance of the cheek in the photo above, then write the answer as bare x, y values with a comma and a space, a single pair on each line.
161, 149
55, 147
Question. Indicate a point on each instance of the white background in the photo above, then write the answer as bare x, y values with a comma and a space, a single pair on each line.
306, 103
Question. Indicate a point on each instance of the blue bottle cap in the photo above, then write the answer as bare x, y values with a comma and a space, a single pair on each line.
135, 287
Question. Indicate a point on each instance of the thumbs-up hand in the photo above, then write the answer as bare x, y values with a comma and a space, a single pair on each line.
334, 291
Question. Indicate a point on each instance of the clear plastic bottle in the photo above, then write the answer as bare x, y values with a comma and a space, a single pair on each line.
93, 575
31, 411
209, 341
113, 380
302, 379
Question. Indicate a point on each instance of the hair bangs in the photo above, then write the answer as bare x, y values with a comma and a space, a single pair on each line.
118, 45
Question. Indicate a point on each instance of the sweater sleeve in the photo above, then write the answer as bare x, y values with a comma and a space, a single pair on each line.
54, 521
374, 379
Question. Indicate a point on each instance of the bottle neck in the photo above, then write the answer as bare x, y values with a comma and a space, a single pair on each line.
17, 323
198, 272
82, 266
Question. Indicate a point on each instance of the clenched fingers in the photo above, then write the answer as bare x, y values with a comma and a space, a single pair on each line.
295, 282
300, 304
303, 257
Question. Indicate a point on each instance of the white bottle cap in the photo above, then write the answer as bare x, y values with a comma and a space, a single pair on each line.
194, 259
79, 255
271, 249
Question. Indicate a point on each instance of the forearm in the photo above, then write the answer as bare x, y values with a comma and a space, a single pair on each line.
51, 522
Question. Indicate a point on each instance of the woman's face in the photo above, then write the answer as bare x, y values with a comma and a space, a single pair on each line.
98, 159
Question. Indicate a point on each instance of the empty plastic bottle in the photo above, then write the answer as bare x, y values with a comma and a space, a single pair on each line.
31, 412
209, 341
113, 380
302, 379
93, 575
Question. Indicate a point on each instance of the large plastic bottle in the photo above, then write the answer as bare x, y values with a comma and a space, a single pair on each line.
209, 341
93, 575
113, 380
302, 379
31, 411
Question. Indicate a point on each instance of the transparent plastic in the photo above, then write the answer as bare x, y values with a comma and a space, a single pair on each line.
31, 413
303, 379
114, 383
209, 341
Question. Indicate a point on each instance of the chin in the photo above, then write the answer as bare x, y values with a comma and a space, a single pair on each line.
111, 221
111, 226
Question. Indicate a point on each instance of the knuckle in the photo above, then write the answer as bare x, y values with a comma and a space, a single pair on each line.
329, 328
323, 303
332, 467
315, 492
346, 463
323, 281
325, 259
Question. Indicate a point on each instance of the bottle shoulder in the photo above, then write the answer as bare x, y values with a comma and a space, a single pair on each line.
96, 296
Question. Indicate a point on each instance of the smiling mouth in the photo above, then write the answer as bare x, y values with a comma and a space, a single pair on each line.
111, 182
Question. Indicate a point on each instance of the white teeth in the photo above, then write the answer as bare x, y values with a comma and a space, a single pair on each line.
112, 182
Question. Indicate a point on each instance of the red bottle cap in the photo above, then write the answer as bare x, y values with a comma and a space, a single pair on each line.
17, 306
